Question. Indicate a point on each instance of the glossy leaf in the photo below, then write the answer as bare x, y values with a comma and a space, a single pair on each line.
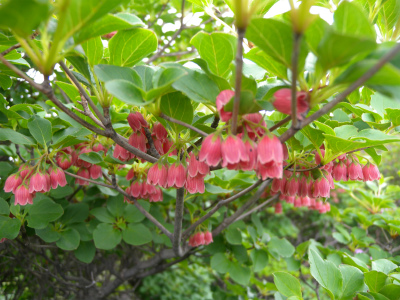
287, 284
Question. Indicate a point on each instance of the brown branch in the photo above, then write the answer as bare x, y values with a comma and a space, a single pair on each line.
258, 207
305, 170
152, 151
238, 79
327, 107
295, 58
89, 180
242, 209
89, 113
19, 153
18, 45
280, 123
177, 235
221, 203
168, 118
82, 91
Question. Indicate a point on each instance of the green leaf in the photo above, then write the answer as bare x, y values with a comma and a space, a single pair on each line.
276, 39
107, 24
287, 284
163, 80
106, 237
233, 236
94, 50
177, 106
217, 49
79, 14
85, 252
222, 83
4, 207
239, 273
353, 281
48, 234
125, 91
198, 87
375, 280
69, 239
247, 104
393, 115
137, 234
383, 265
23, 16
315, 33
103, 215
9, 228
220, 263
326, 273
260, 259
280, 247
75, 213
350, 19
388, 16
107, 72
336, 49
267, 62
130, 46
40, 130
391, 291
42, 212
133, 215
92, 157
116, 206
7, 134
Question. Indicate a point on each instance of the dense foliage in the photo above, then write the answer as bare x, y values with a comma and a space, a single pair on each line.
199, 149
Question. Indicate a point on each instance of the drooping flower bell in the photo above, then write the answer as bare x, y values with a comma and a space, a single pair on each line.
158, 175
12, 183
222, 99
136, 121
83, 172
355, 171
121, 153
210, 151
196, 167
283, 102
195, 184
57, 177
176, 175
157, 196
95, 171
138, 140
269, 158
233, 151
339, 172
321, 188
39, 182
160, 132
251, 151
208, 239
371, 172
23, 196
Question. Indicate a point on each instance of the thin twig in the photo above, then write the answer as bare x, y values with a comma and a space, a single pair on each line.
238, 79
168, 118
305, 170
295, 58
152, 150
89, 180
18, 45
226, 222
82, 91
89, 113
158, 15
221, 203
258, 207
280, 123
19, 153
176, 242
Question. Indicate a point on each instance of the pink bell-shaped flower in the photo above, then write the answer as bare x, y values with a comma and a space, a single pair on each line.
371, 172
208, 239
210, 151
283, 102
269, 149
278, 208
57, 177
12, 183
355, 171
196, 167
222, 99
158, 175
136, 121
83, 172
339, 172
233, 151
22, 195
251, 151
121, 153
95, 171
138, 140
292, 186
160, 132
157, 196
321, 188
195, 184
39, 183
176, 175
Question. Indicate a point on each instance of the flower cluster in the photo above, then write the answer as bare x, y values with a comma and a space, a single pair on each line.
140, 189
69, 156
200, 238
189, 174
309, 187
347, 167
31, 180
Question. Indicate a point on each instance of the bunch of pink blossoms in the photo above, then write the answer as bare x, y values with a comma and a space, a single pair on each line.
31, 180
200, 238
